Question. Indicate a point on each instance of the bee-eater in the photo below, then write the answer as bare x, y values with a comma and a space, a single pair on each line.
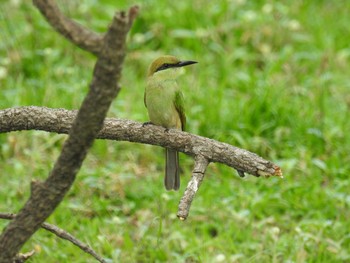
164, 102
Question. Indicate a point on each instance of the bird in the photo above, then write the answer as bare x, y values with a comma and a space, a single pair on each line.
165, 105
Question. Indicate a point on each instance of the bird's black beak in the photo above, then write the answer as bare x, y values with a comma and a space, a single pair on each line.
185, 63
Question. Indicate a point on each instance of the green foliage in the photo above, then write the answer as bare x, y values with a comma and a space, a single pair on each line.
272, 78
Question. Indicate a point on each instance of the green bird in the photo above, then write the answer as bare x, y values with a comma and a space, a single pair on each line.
164, 102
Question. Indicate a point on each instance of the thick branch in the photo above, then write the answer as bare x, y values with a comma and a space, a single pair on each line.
62, 234
60, 121
74, 32
47, 195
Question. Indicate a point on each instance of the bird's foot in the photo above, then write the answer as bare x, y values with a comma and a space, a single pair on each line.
240, 173
147, 123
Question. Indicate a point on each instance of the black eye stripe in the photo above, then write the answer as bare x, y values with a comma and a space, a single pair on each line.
166, 66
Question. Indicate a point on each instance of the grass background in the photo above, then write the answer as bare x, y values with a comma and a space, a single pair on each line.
273, 78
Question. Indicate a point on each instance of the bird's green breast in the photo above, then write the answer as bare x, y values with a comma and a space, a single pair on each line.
159, 98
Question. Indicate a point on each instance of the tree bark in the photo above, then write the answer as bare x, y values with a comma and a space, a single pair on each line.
45, 196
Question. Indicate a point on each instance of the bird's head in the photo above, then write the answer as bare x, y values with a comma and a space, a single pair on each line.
167, 67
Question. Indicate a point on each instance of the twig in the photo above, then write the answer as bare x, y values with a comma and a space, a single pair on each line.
74, 32
200, 166
60, 121
23, 257
61, 234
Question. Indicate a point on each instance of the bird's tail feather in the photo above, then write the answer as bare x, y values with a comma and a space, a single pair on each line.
172, 177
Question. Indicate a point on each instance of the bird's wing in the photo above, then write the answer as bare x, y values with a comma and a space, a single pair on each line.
144, 99
179, 106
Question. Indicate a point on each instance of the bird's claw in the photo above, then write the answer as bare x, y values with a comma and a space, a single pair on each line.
146, 123
240, 173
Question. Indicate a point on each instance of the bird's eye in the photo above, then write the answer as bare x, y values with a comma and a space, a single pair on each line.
166, 65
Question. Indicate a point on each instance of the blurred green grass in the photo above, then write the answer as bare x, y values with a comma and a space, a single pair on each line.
272, 78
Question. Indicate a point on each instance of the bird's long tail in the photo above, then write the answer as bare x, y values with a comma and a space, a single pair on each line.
172, 177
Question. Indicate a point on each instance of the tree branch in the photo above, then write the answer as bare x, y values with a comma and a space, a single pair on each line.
60, 121
61, 234
23, 257
71, 30
200, 166
205, 150
46, 196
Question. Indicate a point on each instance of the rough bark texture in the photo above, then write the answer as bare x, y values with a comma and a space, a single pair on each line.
45, 196
60, 121
193, 185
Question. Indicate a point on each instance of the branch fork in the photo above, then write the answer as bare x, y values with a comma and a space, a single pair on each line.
203, 149
200, 165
